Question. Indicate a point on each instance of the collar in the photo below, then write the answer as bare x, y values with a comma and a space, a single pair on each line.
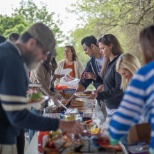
114, 59
19, 52
17, 48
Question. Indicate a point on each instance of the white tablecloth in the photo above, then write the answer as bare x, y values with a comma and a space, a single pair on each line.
32, 148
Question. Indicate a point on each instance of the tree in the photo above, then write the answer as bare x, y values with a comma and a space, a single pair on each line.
29, 13
123, 18
32, 13
12, 24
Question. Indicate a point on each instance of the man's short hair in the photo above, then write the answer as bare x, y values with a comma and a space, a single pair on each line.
14, 36
89, 40
2, 39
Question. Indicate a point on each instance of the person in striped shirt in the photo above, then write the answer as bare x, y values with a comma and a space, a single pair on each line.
139, 96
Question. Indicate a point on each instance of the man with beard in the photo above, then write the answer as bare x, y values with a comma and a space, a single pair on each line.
13, 37
32, 47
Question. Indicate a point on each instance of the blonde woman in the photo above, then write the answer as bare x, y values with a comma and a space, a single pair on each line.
126, 66
139, 96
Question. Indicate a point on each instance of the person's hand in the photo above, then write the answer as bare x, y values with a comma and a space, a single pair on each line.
31, 90
100, 88
89, 75
93, 95
56, 99
71, 126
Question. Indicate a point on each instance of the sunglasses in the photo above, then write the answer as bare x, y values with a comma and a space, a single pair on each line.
105, 36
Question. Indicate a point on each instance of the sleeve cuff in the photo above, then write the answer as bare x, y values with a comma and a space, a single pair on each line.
113, 141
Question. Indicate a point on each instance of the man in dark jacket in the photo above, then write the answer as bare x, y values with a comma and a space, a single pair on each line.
92, 72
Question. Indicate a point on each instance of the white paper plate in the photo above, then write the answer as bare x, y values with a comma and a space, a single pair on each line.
34, 85
37, 104
81, 95
65, 71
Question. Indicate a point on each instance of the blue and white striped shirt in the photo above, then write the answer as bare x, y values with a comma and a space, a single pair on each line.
138, 99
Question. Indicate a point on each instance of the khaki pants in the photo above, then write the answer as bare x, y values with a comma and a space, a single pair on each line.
8, 149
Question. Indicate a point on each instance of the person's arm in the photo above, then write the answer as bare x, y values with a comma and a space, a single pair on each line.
14, 102
83, 84
80, 69
40, 77
129, 110
80, 88
14, 86
115, 91
71, 126
83, 81
59, 67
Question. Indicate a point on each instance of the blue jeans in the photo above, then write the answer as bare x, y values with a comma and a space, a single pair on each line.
32, 132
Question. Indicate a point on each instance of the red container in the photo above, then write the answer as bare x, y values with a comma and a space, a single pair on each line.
40, 139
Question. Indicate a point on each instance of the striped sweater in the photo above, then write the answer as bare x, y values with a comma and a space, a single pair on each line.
138, 99
13, 108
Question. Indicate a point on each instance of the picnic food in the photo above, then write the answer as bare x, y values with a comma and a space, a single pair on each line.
105, 143
87, 92
95, 130
88, 122
34, 97
82, 94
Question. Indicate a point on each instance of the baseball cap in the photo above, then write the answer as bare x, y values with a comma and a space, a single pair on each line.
44, 36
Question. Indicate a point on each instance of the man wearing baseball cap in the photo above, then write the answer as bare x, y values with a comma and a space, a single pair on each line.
32, 47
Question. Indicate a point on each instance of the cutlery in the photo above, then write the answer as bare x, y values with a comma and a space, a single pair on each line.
60, 103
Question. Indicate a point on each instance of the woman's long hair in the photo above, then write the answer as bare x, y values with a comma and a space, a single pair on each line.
109, 39
50, 64
74, 56
128, 62
146, 40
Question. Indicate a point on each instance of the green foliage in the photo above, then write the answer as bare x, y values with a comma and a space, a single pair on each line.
12, 24
29, 11
27, 14
60, 54
123, 18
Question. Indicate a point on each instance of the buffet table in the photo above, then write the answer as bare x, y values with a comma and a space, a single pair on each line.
32, 148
